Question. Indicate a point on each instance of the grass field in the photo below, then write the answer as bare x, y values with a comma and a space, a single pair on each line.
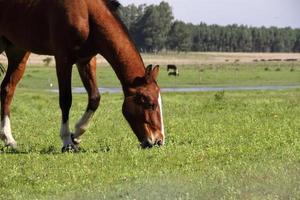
219, 145
244, 145
243, 74
196, 69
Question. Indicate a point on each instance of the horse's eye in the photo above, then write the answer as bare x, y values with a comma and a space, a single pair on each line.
143, 99
140, 99
149, 106
145, 102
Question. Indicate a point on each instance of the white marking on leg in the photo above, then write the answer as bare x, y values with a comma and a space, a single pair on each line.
65, 134
83, 124
161, 116
5, 133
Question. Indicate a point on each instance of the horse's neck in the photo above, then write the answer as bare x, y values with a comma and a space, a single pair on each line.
113, 42
125, 60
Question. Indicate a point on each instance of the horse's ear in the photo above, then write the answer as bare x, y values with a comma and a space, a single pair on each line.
148, 70
152, 72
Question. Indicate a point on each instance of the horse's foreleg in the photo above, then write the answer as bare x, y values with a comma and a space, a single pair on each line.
87, 71
64, 76
16, 66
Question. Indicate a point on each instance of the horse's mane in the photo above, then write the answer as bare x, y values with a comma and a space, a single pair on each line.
114, 4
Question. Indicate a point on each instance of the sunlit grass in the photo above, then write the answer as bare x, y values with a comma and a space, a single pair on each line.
243, 145
224, 145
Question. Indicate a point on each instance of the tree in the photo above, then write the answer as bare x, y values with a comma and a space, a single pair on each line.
153, 27
296, 47
131, 14
153, 30
180, 37
244, 39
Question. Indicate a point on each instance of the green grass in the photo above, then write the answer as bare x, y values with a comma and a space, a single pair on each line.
247, 74
236, 145
224, 145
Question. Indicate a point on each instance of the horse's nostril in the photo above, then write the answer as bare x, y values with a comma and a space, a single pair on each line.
159, 142
146, 144
149, 144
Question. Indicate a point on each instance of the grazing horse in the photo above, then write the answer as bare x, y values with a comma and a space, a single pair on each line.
74, 32
171, 67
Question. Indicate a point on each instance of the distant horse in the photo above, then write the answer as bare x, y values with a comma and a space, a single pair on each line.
173, 70
75, 32
171, 67
176, 73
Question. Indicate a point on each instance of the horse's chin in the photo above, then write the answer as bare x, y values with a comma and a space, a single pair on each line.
148, 137
146, 145
150, 143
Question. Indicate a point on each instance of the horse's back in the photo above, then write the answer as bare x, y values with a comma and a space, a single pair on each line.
42, 25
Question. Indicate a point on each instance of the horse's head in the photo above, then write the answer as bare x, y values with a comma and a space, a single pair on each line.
143, 110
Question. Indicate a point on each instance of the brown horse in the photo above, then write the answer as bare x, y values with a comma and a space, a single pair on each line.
75, 31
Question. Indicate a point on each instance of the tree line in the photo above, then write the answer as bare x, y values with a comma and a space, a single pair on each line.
154, 29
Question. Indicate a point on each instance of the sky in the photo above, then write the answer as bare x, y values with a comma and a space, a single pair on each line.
280, 13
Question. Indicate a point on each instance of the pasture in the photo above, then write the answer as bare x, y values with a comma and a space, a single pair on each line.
222, 74
219, 145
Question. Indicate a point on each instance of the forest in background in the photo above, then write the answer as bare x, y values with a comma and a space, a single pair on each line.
154, 29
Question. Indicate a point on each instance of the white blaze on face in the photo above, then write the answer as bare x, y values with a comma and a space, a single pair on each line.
6, 132
161, 115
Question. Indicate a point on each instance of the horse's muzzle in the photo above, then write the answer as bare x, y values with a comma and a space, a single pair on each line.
149, 144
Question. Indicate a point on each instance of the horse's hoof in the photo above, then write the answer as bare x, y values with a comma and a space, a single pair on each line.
12, 145
71, 148
9, 143
76, 141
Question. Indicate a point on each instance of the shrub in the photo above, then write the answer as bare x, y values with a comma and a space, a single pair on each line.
219, 96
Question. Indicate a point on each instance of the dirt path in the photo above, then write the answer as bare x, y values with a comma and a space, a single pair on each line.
188, 58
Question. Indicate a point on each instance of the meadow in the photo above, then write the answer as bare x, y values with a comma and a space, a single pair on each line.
220, 74
219, 145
